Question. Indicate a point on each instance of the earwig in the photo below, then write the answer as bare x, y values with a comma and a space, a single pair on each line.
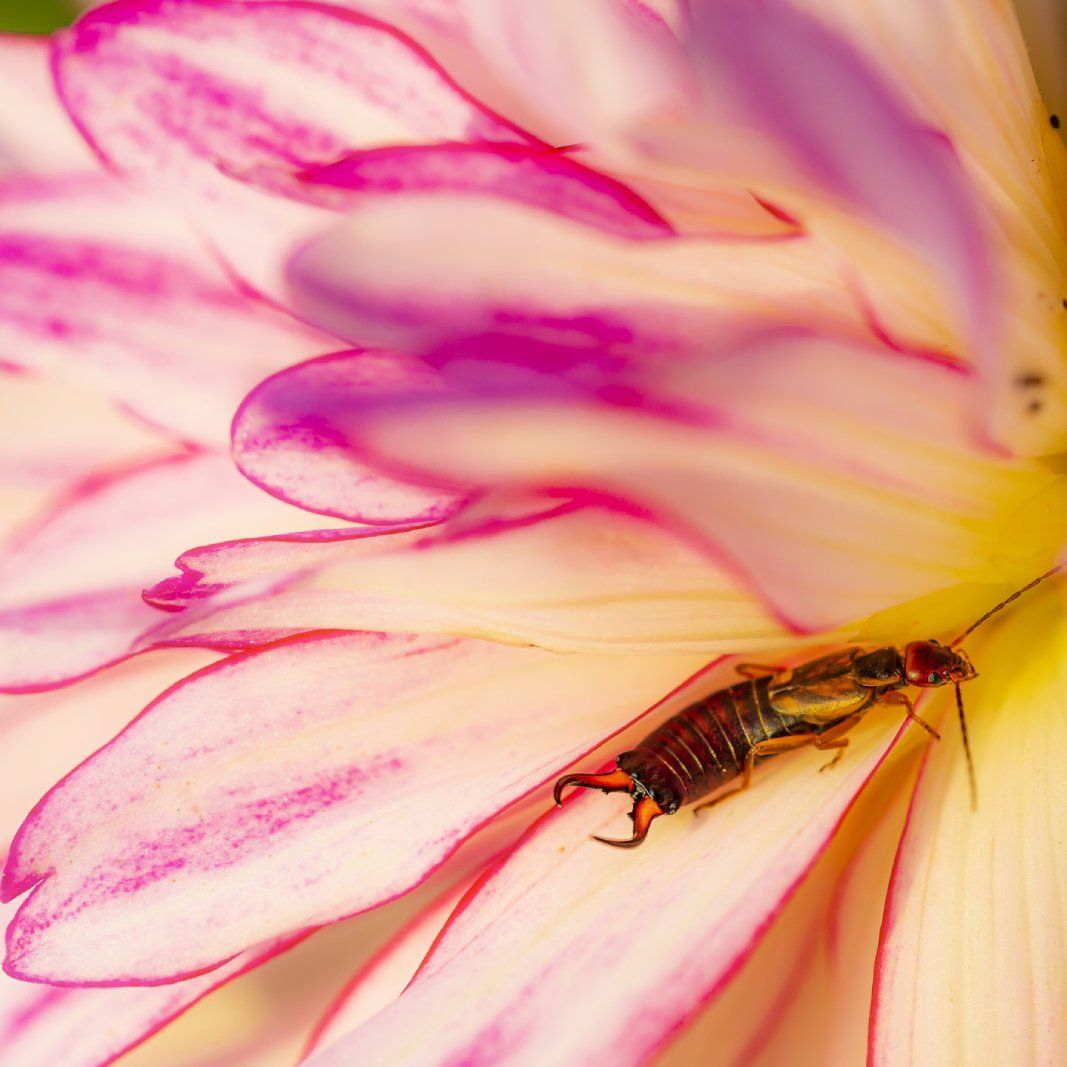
718, 739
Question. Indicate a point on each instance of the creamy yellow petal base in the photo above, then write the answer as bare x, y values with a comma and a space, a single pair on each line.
973, 962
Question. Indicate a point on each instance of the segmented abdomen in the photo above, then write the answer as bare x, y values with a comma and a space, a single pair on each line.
705, 745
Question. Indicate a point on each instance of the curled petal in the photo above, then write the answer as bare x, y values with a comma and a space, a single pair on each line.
310, 462
972, 963
618, 948
290, 787
226, 130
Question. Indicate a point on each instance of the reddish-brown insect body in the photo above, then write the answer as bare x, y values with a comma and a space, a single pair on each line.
718, 739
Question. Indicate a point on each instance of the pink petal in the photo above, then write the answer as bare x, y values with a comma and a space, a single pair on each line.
391, 275
225, 130
41, 1026
312, 466
972, 965
782, 438
44, 735
579, 579
37, 135
293, 786
70, 589
531, 174
106, 288
571, 950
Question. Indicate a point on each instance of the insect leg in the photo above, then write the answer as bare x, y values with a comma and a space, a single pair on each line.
835, 738
758, 670
771, 747
893, 697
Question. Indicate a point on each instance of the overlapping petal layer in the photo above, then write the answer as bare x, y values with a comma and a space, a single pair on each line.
579, 579
70, 588
390, 275
972, 964
222, 104
384, 977
271, 792
107, 288
570, 950
832, 477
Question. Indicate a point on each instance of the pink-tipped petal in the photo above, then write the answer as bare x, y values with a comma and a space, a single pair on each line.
70, 587
36, 135
972, 964
225, 130
531, 174
581, 579
571, 950
42, 1026
107, 288
307, 462
293, 786
44, 735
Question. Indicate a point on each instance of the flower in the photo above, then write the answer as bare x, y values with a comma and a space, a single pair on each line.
710, 329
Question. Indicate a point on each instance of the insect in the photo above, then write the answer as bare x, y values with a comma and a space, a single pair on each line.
717, 740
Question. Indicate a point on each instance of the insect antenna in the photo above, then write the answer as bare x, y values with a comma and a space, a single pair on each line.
1004, 603
967, 749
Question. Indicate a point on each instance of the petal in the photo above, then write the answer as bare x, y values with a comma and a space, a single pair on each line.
971, 966
383, 978
588, 71
802, 998
391, 275
777, 460
106, 288
294, 786
37, 135
44, 735
581, 579
312, 466
70, 588
570, 950
41, 1026
530, 174
226, 129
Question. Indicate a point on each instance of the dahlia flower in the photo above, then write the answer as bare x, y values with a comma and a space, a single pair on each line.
570, 351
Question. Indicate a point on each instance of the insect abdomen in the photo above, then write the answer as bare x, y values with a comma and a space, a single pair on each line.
705, 745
